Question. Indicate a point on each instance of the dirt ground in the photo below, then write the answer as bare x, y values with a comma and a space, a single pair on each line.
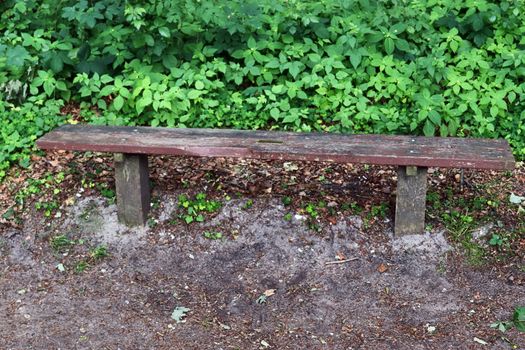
340, 288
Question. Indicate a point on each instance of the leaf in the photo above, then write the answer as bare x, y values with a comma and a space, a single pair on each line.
494, 111
278, 89
275, 113
402, 45
193, 94
454, 45
515, 199
314, 57
179, 313
355, 59
382, 268
106, 90
273, 64
389, 46
480, 341
290, 118
49, 87
269, 292
56, 63
429, 128
341, 75
434, 117
398, 28
252, 44
16, 56
144, 101
199, 85
118, 103
519, 318
294, 68
165, 32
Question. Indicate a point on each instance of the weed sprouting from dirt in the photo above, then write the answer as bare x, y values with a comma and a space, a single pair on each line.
60, 243
99, 252
194, 209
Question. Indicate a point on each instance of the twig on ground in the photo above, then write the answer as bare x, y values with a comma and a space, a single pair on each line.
340, 261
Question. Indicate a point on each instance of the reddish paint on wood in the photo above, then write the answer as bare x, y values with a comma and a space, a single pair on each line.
369, 149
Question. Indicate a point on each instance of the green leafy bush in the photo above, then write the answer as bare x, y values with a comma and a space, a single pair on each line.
21, 125
432, 67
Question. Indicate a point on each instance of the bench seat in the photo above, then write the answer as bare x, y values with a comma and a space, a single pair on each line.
412, 154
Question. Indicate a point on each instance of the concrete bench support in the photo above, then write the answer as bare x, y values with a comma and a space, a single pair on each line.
410, 200
132, 185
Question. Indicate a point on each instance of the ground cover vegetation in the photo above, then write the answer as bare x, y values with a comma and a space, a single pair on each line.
430, 67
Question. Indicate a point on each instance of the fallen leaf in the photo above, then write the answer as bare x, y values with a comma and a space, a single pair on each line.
289, 166
269, 292
332, 220
179, 313
340, 256
480, 341
515, 199
70, 201
382, 268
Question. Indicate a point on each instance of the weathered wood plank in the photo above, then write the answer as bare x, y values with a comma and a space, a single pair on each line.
132, 185
410, 201
370, 149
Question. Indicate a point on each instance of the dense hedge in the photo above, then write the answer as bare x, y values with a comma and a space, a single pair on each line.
433, 67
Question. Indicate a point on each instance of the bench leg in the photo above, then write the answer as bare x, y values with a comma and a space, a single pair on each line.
411, 200
132, 184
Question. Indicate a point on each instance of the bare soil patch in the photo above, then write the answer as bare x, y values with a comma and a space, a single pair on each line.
346, 283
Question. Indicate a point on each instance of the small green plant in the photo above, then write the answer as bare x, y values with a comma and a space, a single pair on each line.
287, 217
48, 207
378, 211
287, 201
353, 207
496, 240
193, 209
99, 252
106, 192
212, 235
81, 266
518, 321
152, 223
179, 313
312, 212
60, 243
155, 202
248, 204
262, 299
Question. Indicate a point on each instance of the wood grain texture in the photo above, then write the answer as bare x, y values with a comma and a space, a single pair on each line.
132, 186
411, 199
369, 149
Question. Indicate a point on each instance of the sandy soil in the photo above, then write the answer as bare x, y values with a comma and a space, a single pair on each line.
392, 293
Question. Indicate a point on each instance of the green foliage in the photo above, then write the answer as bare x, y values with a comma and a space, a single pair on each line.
248, 204
212, 235
518, 321
427, 67
21, 125
99, 252
60, 243
81, 266
194, 209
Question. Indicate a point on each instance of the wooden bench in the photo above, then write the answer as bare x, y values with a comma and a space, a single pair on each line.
412, 155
